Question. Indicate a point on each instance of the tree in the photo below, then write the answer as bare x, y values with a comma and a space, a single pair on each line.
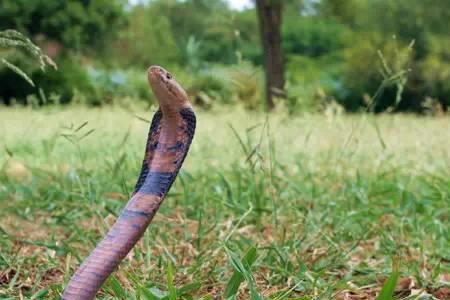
270, 20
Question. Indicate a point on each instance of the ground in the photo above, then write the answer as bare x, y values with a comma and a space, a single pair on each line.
294, 207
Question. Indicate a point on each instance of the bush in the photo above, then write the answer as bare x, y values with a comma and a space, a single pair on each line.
207, 89
365, 73
246, 84
114, 85
311, 80
311, 36
69, 80
19, 54
435, 69
147, 40
248, 38
13, 87
73, 23
236, 84
371, 75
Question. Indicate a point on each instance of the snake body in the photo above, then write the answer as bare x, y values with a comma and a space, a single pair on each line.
171, 132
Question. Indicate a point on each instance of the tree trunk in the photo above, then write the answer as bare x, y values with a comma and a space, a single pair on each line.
270, 18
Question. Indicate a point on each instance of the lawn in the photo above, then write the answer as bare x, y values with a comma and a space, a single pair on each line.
306, 207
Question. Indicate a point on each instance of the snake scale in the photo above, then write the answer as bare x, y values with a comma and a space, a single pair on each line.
171, 133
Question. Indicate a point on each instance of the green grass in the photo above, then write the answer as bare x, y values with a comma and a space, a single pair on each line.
310, 207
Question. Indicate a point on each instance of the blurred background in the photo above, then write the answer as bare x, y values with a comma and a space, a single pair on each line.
353, 55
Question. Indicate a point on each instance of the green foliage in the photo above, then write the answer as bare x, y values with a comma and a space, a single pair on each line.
186, 33
208, 21
312, 36
388, 290
70, 80
91, 86
365, 70
420, 21
241, 267
435, 69
248, 37
312, 82
334, 51
207, 89
57, 27
147, 40
76, 24
246, 84
11, 39
353, 13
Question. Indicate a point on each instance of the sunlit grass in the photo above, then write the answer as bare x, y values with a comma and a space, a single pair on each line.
311, 206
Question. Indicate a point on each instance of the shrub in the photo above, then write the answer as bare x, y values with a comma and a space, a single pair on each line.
114, 85
435, 69
236, 84
312, 81
73, 23
70, 77
147, 40
311, 36
207, 89
20, 54
376, 67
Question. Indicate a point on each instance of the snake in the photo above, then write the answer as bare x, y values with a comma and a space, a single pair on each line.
170, 136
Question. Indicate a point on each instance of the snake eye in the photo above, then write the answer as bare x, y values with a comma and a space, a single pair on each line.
168, 76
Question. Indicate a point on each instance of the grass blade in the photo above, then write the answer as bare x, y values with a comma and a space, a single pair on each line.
170, 284
237, 278
389, 286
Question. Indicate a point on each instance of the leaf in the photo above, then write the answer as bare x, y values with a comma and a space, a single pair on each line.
81, 126
148, 295
389, 286
157, 293
18, 71
12, 284
8, 151
86, 134
40, 294
380, 137
117, 288
237, 278
170, 285
241, 142
142, 119
188, 288
244, 269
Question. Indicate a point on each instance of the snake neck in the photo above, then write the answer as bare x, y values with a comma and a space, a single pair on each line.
169, 140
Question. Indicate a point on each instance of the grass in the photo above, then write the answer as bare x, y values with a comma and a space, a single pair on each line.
311, 207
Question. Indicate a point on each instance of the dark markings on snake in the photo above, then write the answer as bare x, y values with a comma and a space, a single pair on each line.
145, 164
127, 213
157, 183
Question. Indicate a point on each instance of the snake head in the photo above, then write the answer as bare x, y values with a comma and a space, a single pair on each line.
167, 90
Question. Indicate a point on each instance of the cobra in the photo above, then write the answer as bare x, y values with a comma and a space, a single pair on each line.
171, 133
